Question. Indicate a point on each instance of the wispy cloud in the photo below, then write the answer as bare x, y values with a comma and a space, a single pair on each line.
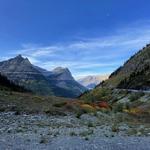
97, 55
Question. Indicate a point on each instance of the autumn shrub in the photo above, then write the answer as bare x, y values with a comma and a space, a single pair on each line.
87, 108
60, 104
103, 104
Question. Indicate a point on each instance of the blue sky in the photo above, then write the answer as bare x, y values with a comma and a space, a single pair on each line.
89, 37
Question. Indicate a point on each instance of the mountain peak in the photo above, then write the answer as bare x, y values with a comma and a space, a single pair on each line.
64, 73
19, 57
60, 69
26, 61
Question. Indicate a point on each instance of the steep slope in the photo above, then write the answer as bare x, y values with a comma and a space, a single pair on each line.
62, 74
6, 84
134, 74
59, 82
118, 89
43, 71
22, 72
65, 83
91, 81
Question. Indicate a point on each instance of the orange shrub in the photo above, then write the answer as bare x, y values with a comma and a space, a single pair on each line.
88, 108
103, 105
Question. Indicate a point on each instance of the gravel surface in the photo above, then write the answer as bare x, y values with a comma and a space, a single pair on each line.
75, 143
42, 132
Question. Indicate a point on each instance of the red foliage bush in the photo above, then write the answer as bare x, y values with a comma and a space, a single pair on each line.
103, 105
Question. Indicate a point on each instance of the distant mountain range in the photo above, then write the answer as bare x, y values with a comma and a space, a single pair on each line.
58, 82
91, 81
134, 74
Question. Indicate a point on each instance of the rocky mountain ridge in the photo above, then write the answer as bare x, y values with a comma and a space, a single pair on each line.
58, 82
134, 74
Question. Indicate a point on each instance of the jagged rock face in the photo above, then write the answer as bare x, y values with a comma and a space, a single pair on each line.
62, 74
22, 72
134, 74
45, 72
58, 82
63, 82
62, 78
19, 68
91, 81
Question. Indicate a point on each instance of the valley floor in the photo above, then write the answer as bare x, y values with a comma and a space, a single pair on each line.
89, 132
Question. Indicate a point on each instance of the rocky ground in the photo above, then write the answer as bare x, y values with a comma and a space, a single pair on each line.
89, 132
